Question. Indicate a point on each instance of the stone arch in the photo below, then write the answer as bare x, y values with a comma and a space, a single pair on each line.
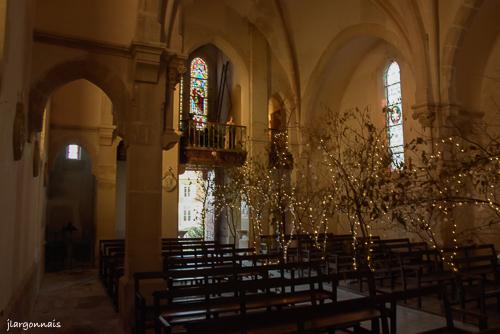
369, 34
63, 73
452, 43
467, 49
240, 68
227, 48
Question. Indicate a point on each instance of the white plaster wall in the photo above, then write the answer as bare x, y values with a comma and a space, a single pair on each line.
21, 195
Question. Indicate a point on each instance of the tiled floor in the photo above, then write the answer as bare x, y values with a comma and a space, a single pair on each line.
78, 300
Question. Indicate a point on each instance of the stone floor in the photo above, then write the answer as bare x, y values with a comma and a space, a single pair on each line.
78, 300
410, 320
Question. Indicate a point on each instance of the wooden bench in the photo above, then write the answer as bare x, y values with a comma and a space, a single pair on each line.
266, 301
104, 249
111, 259
144, 309
317, 318
233, 290
195, 258
478, 277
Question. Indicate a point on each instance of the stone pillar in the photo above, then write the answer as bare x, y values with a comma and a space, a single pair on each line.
143, 131
259, 97
170, 201
458, 121
105, 188
170, 138
258, 119
425, 114
442, 121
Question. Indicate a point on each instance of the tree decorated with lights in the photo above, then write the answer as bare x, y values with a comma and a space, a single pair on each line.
347, 173
456, 172
357, 166
367, 189
205, 185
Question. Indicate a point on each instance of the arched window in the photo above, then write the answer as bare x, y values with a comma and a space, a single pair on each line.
394, 114
198, 96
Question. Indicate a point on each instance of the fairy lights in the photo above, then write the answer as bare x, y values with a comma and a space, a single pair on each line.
344, 175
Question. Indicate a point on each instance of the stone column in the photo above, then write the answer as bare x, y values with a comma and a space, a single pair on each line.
458, 121
143, 131
105, 188
259, 98
442, 121
170, 137
170, 202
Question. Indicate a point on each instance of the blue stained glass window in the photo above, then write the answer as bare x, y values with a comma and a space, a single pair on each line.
198, 97
394, 114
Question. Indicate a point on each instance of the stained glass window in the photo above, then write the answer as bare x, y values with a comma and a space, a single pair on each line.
394, 114
198, 96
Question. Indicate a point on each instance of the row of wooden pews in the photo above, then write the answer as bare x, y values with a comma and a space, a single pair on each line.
469, 274
216, 288
185, 266
295, 297
259, 293
111, 257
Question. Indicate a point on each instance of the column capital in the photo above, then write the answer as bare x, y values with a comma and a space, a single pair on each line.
169, 138
106, 135
105, 182
147, 60
425, 114
176, 69
457, 118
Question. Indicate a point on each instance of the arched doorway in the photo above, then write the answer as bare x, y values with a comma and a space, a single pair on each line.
70, 228
82, 178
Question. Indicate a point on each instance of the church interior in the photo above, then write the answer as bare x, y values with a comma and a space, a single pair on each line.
250, 166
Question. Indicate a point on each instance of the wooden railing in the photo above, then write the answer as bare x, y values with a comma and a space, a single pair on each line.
213, 136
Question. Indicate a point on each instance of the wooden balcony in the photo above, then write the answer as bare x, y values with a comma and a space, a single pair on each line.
211, 144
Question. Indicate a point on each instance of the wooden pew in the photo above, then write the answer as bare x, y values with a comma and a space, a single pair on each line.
478, 277
144, 309
180, 276
112, 253
318, 318
104, 248
273, 305
244, 288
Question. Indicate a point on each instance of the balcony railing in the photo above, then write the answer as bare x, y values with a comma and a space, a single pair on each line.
213, 136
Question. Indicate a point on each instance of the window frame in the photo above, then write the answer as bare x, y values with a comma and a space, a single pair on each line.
70, 154
200, 118
187, 191
395, 150
186, 215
